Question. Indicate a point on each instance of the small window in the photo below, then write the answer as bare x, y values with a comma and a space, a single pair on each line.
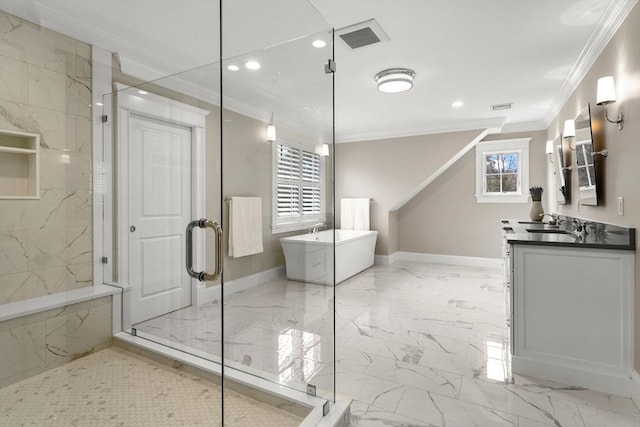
502, 171
298, 180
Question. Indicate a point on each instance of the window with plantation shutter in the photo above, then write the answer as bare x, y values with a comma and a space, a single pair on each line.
297, 186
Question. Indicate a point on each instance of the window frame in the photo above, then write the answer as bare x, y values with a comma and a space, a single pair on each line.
506, 146
300, 222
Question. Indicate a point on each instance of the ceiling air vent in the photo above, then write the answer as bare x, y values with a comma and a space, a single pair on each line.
505, 106
362, 34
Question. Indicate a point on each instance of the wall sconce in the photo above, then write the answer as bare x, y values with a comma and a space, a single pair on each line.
271, 131
324, 150
569, 129
605, 95
549, 150
568, 132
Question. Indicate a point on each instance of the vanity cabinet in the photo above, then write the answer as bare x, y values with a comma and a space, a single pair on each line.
19, 165
571, 304
573, 315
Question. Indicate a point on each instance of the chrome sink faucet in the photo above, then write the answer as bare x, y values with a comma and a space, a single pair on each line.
555, 219
316, 227
580, 228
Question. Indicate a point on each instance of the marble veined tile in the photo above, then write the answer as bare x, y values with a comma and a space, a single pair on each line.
442, 411
594, 417
73, 332
46, 88
13, 80
407, 353
371, 390
425, 378
77, 96
83, 134
579, 395
31, 284
363, 415
514, 400
416, 345
49, 124
14, 253
21, 350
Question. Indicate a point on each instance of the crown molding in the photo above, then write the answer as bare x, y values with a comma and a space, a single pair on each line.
525, 126
608, 25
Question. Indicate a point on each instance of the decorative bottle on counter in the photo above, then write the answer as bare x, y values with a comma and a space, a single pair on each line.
537, 212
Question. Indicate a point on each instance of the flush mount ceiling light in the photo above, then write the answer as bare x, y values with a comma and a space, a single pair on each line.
252, 65
233, 67
319, 43
395, 80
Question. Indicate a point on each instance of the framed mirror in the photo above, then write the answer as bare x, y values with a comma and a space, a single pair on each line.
585, 164
561, 174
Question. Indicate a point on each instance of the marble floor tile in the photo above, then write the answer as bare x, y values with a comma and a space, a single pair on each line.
438, 410
415, 344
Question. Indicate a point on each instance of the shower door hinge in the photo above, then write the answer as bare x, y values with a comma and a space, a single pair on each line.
311, 390
104, 118
325, 408
104, 260
330, 67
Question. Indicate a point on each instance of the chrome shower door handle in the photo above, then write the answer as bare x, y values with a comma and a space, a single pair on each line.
203, 275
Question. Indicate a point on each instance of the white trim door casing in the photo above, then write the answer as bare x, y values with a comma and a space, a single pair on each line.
152, 111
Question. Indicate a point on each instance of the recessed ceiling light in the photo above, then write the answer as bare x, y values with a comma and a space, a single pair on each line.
232, 67
395, 80
319, 43
252, 65
457, 104
143, 92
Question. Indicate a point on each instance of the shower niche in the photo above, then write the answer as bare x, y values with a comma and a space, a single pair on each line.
19, 165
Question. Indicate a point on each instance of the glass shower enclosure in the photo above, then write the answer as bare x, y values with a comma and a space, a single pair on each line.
207, 169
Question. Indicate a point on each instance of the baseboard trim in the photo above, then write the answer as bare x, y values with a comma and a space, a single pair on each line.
635, 387
621, 386
438, 259
206, 295
385, 259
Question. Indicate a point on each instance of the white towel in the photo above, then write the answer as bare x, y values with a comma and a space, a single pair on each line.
245, 226
354, 214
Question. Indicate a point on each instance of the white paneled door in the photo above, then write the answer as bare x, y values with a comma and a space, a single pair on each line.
159, 211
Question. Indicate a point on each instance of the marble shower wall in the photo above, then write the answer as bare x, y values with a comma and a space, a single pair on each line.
39, 342
45, 88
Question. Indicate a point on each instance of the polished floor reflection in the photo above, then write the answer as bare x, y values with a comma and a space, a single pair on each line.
416, 345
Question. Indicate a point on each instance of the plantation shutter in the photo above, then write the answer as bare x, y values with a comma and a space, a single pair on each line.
288, 200
298, 195
288, 162
310, 192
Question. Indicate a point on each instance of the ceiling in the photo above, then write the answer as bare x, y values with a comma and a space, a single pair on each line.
531, 53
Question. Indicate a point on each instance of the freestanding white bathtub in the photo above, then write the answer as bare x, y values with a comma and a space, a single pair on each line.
309, 257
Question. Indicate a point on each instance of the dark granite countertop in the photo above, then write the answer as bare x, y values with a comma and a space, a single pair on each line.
598, 236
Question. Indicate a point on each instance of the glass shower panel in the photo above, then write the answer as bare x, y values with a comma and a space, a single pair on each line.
162, 151
277, 145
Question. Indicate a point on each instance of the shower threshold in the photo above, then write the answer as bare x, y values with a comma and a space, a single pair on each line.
296, 402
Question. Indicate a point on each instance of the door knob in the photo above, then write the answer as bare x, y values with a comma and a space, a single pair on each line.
132, 228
